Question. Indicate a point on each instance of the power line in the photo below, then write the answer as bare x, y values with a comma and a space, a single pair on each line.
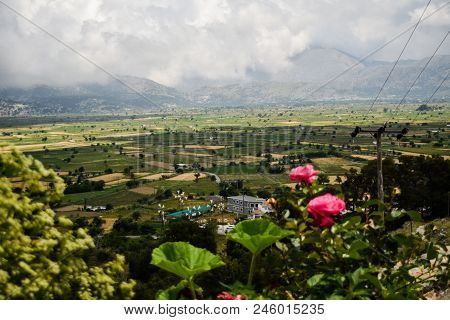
398, 59
437, 89
370, 54
77, 52
420, 73
431, 97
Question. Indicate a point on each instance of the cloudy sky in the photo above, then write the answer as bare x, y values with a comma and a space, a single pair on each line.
186, 42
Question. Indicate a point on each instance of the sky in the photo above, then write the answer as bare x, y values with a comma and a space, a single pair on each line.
187, 43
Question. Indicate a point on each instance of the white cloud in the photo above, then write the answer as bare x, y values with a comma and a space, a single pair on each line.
181, 42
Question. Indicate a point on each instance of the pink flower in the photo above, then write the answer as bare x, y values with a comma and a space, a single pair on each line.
224, 295
322, 209
305, 174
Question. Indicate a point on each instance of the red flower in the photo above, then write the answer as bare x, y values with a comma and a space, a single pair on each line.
322, 209
228, 296
305, 174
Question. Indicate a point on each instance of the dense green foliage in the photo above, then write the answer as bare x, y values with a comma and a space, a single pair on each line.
189, 231
414, 183
84, 186
39, 257
136, 242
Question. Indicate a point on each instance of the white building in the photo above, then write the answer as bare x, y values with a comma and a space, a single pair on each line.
244, 204
95, 208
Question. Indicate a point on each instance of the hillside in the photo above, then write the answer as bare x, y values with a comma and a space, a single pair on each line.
306, 72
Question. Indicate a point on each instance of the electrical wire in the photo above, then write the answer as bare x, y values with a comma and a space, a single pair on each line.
369, 55
430, 98
420, 73
398, 59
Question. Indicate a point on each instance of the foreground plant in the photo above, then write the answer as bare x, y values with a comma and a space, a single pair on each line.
186, 261
40, 258
257, 235
354, 255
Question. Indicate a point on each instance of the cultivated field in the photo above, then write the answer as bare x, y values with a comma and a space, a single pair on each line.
139, 157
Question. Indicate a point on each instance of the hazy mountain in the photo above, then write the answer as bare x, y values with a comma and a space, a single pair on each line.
314, 67
112, 96
307, 71
317, 65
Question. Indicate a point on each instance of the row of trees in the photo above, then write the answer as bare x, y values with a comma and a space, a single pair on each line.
418, 183
84, 186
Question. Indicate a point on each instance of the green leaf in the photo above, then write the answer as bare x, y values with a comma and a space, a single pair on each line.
395, 214
415, 216
281, 246
352, 221
314, 280
184, 260
356, 245
356, 276
172, 292
374, 281
256, 235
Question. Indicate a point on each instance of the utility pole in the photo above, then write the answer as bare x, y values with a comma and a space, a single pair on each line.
378, 134
380, 189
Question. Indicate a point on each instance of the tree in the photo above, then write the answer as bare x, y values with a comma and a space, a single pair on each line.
197, 176
417, 183
132, 184
423, 185
263, 193
190, 231
136, 215
84, 186
40, 257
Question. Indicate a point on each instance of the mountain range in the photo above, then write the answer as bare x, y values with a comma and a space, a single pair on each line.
307, 72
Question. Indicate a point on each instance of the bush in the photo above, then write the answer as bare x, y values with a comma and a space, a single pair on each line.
132, 184
163, 194
85, 186
40, 257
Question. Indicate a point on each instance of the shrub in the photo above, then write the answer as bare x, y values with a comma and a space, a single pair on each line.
40, 257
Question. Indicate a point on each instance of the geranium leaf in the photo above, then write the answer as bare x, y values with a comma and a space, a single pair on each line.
184, 260
172, 292
256, 235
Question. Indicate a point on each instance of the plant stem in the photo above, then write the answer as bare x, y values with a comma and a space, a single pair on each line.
192, 288
252, 269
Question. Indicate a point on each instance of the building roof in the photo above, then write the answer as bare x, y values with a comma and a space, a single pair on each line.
191, 211
247, 198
